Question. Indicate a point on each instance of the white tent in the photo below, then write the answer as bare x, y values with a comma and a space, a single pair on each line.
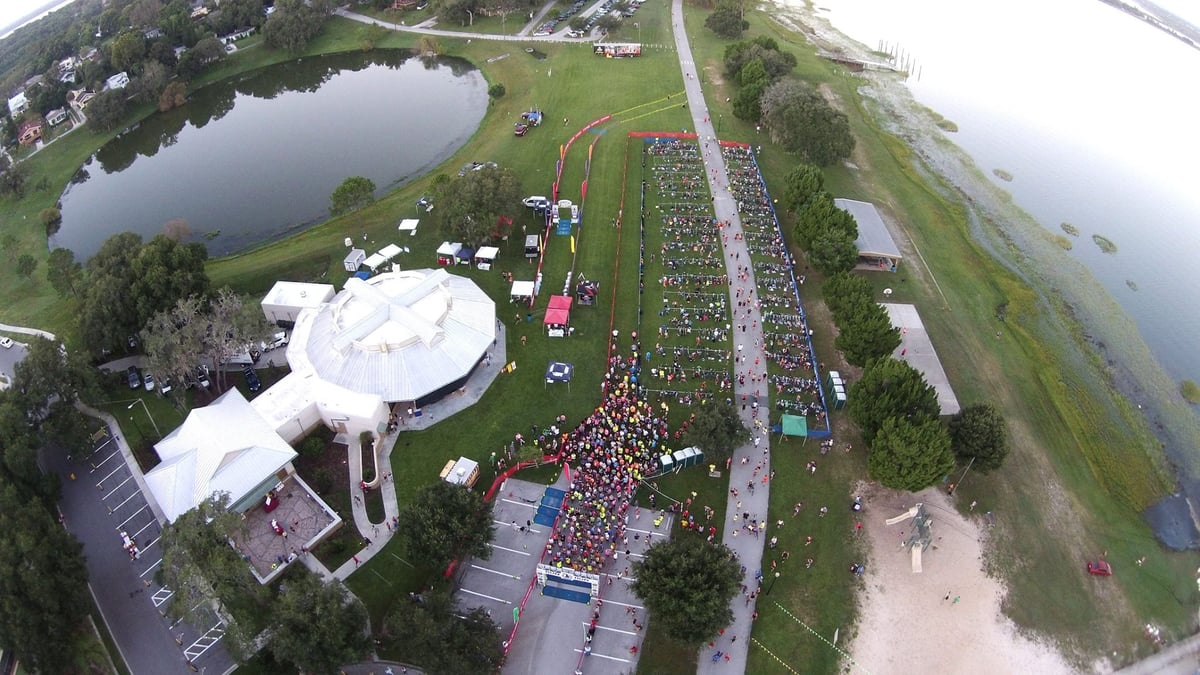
521, 289
447, 251
409, 225
375, 261
485, 257
390, 251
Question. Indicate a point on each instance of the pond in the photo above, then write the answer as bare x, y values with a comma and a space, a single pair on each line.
255, 158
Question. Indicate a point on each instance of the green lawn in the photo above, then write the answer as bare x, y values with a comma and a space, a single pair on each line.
1083, 462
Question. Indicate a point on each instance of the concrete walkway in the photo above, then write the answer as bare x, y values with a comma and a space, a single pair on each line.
431, 414
748, 348
26, 331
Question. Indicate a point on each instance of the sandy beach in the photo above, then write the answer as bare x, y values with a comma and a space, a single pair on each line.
947, 619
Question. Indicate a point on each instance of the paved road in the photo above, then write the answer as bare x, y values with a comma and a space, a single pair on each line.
560, 36
749, 549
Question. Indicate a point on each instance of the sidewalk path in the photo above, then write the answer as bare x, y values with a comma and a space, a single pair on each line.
26, 331
749, 549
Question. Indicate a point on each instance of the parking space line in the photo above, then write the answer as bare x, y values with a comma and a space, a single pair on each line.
496, 572
610, 658
151, 568
530, 506
96, 466
153, 542
489, 597
135, 494
615, 630
100, 483
623, 604
161, 596
210, 638
135, 513
510, 550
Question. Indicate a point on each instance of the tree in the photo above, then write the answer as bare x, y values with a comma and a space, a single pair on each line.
910, 456
128, 282
833, 252
62, 270
865, 332
43, 583
687, 584
762, 48
13, 178
201, 567
353, 193
727, 20
294, 23
236, 324
802, 121
173, 96
106, 111
845, 290
51, 218
49, 371
431, 631
474, 202
317, 626
174, 339
148, 87
890, 388
716, 429
370, 35
801, 184
446, 522
820, 215
978, 432
127, 50
26, 264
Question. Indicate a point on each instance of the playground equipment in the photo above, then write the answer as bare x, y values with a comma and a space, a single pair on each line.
922, 534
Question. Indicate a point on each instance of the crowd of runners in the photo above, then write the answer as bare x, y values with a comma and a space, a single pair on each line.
609, 453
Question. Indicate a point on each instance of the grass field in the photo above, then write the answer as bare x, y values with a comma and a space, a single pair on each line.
1083, 463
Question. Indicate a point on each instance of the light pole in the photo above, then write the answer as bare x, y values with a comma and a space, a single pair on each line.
639, 27
772, 584
720, 118
152, 422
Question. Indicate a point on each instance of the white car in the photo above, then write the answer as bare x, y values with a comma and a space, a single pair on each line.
6, 342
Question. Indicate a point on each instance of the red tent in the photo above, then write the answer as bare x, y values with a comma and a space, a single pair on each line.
558, 312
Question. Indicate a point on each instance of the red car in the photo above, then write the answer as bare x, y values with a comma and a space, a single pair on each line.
520, 129
1100, 568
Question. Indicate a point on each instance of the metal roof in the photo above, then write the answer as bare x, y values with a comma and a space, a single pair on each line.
873, 236
400, 335
225, 446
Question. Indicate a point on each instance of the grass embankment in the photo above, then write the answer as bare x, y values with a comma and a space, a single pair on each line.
1082, 464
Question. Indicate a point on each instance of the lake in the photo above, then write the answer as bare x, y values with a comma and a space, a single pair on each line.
1091, 114
255, 158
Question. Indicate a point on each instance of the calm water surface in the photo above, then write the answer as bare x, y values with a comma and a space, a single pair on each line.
1094, 115
253, 159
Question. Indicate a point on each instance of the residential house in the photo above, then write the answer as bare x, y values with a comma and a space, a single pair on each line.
57, 116
80, 98
30, 131
118, 81
18, 104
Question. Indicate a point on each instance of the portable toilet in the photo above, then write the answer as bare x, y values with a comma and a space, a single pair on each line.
666, 463
681, 459
354, 259
839, 400
698, 456
831, 377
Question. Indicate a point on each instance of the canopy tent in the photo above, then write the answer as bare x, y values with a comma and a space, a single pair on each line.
464, 255
795, 425
485, 257
558, 371
447, 251
558, 315
521, 290
375, 260
586, 292
409, 225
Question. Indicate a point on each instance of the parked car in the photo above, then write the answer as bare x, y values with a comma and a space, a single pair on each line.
6, 342
536, 201
202, 376
280, 340
165, 387
148, 381
520, 129
252, 381
134, 377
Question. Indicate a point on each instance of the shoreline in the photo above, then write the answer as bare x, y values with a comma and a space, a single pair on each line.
1106, 339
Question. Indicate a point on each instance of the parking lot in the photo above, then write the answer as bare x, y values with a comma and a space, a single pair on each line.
553, 632
102, 499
